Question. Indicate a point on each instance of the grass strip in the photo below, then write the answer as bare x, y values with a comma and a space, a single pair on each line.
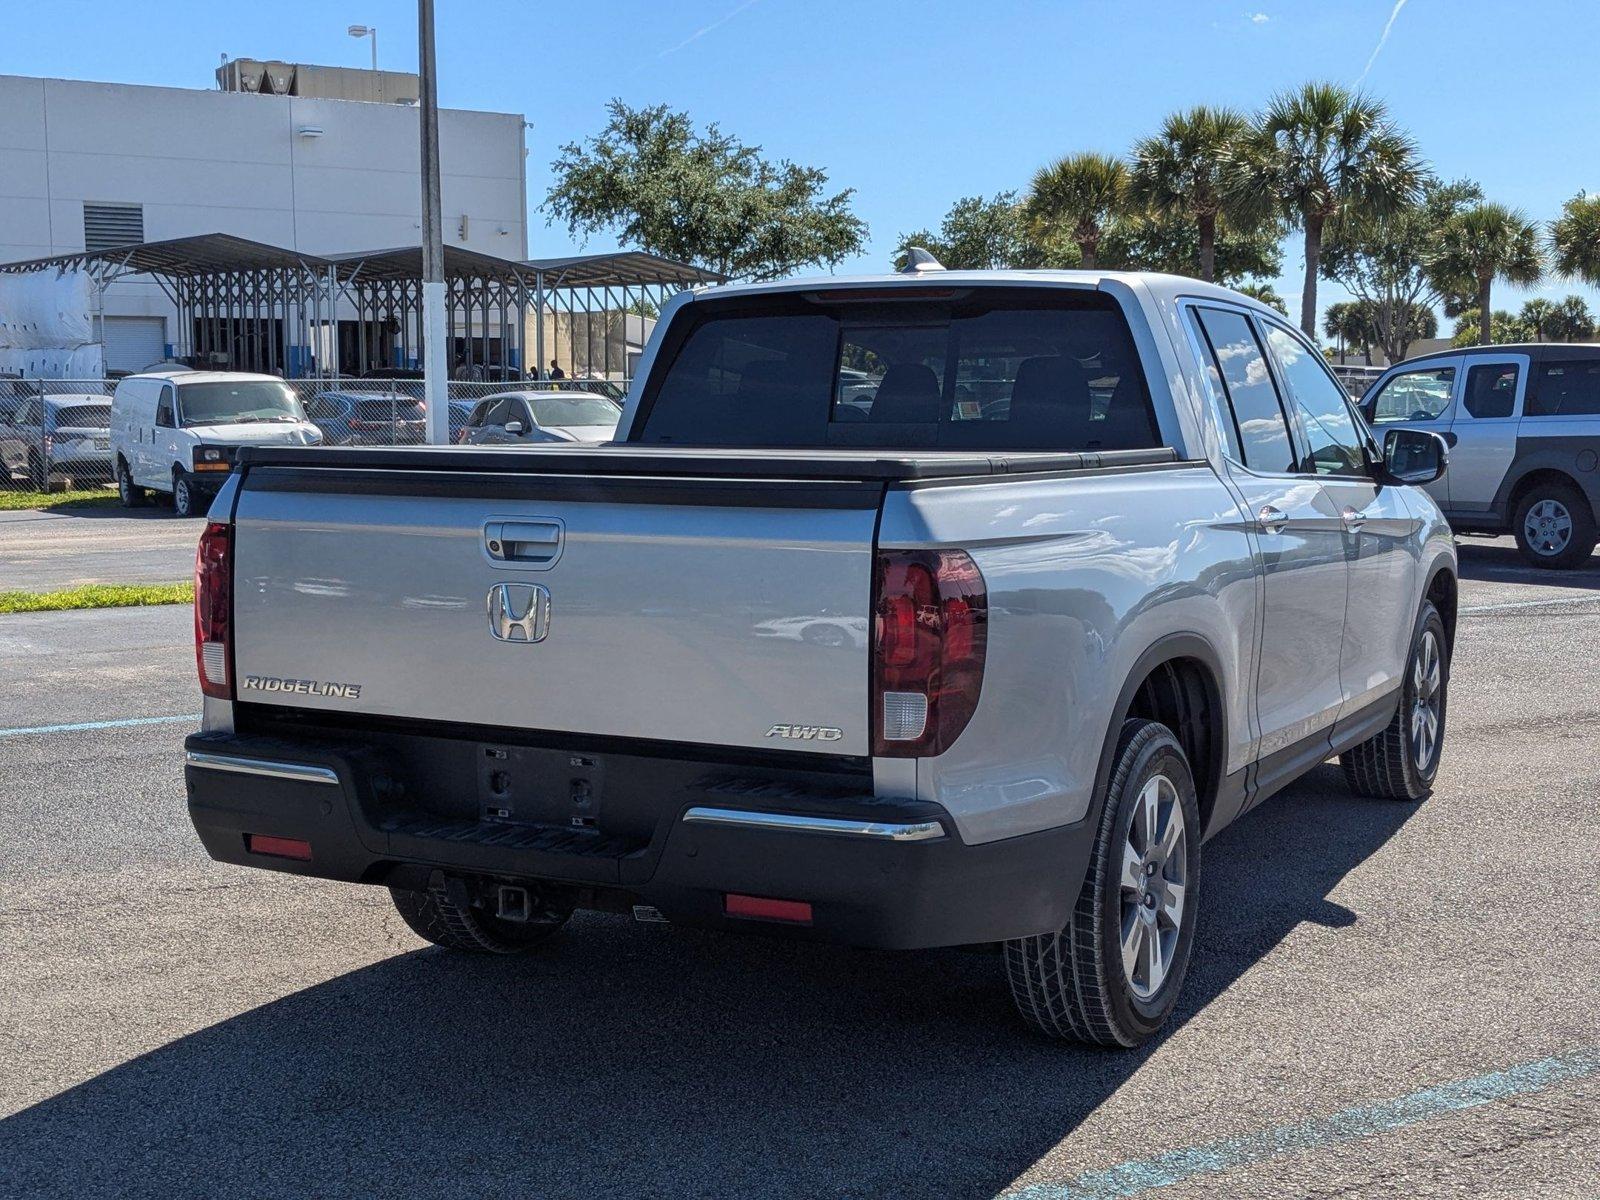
11, 501
97, 595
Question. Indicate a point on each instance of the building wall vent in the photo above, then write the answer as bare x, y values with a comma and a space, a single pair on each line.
108, 225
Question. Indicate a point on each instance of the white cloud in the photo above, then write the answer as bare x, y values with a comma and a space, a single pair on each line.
1259, 18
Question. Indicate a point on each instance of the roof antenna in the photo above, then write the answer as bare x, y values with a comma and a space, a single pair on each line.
919, 260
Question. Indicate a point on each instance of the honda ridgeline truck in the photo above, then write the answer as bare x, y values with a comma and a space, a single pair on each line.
925, 610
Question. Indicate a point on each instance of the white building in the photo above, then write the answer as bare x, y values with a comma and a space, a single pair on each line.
88, 165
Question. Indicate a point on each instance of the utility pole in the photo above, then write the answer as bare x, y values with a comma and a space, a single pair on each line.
435, 363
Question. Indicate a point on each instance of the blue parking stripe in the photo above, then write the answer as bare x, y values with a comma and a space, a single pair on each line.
1176, 1166
122, 723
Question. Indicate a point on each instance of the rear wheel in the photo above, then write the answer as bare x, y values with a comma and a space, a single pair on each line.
1112, 975
1554, 526
129, 493
460, 914
1401, 762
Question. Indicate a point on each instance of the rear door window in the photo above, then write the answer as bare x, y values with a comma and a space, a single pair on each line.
1001, 369
1566, 388
1491, 391
1261, 429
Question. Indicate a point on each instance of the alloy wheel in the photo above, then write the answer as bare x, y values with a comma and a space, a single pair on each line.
1155, 860
1427, 697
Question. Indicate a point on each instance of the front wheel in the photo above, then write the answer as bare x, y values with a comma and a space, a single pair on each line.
38, 475
1401, 762
185, 499
1112, 975
1554, 526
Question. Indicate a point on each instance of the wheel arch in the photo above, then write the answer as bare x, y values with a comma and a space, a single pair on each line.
1177, 681
1443, 590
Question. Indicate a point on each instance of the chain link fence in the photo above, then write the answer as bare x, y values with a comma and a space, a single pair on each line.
55, 434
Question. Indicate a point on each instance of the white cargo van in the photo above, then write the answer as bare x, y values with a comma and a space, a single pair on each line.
177, 431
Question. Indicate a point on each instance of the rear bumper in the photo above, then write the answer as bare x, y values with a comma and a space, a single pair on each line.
884, 874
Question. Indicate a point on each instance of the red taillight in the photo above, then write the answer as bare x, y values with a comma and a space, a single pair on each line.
763, 908
929, 639
213, 611
278, 847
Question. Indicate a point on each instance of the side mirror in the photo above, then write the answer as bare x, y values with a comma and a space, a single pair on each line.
1413, 456
513, 427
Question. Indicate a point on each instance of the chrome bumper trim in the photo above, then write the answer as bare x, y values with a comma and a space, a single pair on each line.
295, 772
921, 831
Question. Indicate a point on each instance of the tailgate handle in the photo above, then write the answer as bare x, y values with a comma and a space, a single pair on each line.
533, 542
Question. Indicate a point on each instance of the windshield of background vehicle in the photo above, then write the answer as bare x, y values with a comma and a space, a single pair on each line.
558, 412
238, 403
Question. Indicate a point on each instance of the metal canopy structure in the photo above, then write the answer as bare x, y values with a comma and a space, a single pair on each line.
254, 306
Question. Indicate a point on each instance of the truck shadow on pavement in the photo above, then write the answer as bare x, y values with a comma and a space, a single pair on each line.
1500, 561
635, 1061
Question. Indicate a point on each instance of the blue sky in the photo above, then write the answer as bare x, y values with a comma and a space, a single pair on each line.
914, 104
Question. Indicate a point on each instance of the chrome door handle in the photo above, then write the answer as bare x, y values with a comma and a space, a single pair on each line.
1352, 520
1271, 519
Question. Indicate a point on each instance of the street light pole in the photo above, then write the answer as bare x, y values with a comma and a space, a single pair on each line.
435, 385
367, 31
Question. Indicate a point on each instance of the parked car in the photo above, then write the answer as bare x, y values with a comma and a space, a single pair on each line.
332, 413
391, 419
1172, 574
524, 417
177, 431
67, 434
1523, 426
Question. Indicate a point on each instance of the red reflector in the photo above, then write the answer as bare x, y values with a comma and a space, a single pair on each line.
277, 847
760, 908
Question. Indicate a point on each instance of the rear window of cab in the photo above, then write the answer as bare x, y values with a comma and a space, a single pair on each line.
965, 368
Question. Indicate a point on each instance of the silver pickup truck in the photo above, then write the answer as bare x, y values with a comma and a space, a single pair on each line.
910, 611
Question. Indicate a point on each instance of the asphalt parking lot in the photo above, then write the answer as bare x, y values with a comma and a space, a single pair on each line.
95, 543
1388, 999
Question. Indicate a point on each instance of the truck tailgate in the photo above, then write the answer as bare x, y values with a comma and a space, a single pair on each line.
699, 610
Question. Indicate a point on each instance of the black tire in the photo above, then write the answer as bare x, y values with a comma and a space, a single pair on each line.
38, 477
1387, 765
186, 501
129, 494
1072, 983
1554, 501
451, 915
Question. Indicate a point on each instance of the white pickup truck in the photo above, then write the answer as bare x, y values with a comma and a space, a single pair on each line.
907, 611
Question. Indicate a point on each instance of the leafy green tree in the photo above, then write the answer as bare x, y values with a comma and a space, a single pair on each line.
656, 182
1145, 241
1351, 326
1506, 329
1570, 321
1321, 151
978, 234
1079, 197
1387, 260
1575, 239
1487, 242
1265, 293
1184, 170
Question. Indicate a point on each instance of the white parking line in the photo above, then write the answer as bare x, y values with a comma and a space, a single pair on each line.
1477, 608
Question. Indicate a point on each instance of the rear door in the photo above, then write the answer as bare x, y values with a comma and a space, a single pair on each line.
620, 606
1483, 435
1300, 536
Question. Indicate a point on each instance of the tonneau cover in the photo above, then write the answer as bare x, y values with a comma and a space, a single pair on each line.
623, 459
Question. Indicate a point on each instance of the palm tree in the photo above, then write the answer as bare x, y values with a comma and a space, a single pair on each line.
1536, 315
1183, 171
1570, 321
1487, 242
1349, 323
1575, 238
1319, 152
1079, 196
1265, 293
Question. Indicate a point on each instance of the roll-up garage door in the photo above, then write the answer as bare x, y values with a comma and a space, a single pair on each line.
133, 343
